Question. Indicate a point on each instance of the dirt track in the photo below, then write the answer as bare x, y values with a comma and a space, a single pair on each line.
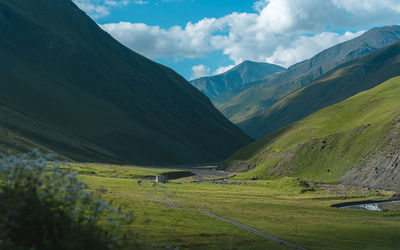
245, 227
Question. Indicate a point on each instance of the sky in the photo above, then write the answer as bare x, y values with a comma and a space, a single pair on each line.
200, 38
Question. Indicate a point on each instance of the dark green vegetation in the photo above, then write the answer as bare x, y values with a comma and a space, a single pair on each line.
356, 141
287, 208
339, 84
273, 88
131, 172
223, 87
69, 87
44, 207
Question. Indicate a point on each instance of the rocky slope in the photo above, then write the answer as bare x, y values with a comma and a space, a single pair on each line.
381, 167
354, 142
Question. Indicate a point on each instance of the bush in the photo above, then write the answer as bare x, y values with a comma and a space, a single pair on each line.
44, 207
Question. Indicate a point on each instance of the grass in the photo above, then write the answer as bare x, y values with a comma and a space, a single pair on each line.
341, 83
117, 171
328, 143
245, 108
283, 208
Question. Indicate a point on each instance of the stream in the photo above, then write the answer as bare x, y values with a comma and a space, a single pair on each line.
377, 206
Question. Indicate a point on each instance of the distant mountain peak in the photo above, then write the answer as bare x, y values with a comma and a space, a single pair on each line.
225, 85
272, 88
342, 82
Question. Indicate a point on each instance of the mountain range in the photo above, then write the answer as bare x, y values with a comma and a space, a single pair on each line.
333, 87
223, 87
70, 88
355, 141
272, 88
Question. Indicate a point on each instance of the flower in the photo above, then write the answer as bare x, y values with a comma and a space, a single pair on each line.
33, 175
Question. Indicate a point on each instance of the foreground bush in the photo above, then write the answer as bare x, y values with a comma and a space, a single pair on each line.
44, 207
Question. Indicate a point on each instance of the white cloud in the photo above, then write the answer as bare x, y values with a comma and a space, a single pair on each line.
307, 46
141, 2
155, 42
116, 3
280, 31
99, 8
371, 6
200, 71
259, 5
93, 9
223, 69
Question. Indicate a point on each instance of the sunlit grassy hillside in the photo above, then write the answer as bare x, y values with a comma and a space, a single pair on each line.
328, 143
339, 84
273, 88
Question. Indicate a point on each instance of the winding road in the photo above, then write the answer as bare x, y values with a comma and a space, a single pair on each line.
235, 223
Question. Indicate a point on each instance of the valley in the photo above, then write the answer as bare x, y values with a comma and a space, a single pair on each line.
284, 208
264, 124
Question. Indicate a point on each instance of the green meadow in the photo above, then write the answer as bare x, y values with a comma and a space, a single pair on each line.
286, 208
328, 143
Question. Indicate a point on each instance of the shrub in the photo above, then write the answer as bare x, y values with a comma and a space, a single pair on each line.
44, 207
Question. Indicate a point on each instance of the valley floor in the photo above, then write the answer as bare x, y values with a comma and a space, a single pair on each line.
194, 213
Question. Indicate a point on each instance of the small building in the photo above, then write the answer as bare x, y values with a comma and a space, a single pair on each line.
161, 179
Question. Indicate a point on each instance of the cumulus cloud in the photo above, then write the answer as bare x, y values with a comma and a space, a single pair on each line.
155, 42
277, 32
99, 8
223, 69
371, 6
200, 71
141, 2
307, 46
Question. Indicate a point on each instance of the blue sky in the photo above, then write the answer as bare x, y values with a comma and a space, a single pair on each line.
179, 12
205, 37
175, 12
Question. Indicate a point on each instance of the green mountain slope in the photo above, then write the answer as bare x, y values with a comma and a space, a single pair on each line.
68, 86
223, 87
273, 88
339, 84
356, 141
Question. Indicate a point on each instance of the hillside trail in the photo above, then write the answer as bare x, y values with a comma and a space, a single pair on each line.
235, 223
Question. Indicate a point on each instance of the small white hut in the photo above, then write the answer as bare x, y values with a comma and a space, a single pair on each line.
161, 179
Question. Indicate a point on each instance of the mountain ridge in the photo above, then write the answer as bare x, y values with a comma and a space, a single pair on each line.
340, 83
273, 88
89, 98
354, 142
222, 87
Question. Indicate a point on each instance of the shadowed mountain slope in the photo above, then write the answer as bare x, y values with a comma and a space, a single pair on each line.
68, 86
273, 88
339, 84
223, 87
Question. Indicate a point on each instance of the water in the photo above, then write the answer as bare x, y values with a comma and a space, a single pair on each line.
370, 206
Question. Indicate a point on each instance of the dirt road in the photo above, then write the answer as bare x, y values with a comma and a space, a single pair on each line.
235, 223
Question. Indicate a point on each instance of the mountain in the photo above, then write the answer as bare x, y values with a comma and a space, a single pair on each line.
273, 88
221, 88
355, 142
339, 84
69, 87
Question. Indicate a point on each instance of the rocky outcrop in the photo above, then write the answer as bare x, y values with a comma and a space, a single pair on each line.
381, 167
